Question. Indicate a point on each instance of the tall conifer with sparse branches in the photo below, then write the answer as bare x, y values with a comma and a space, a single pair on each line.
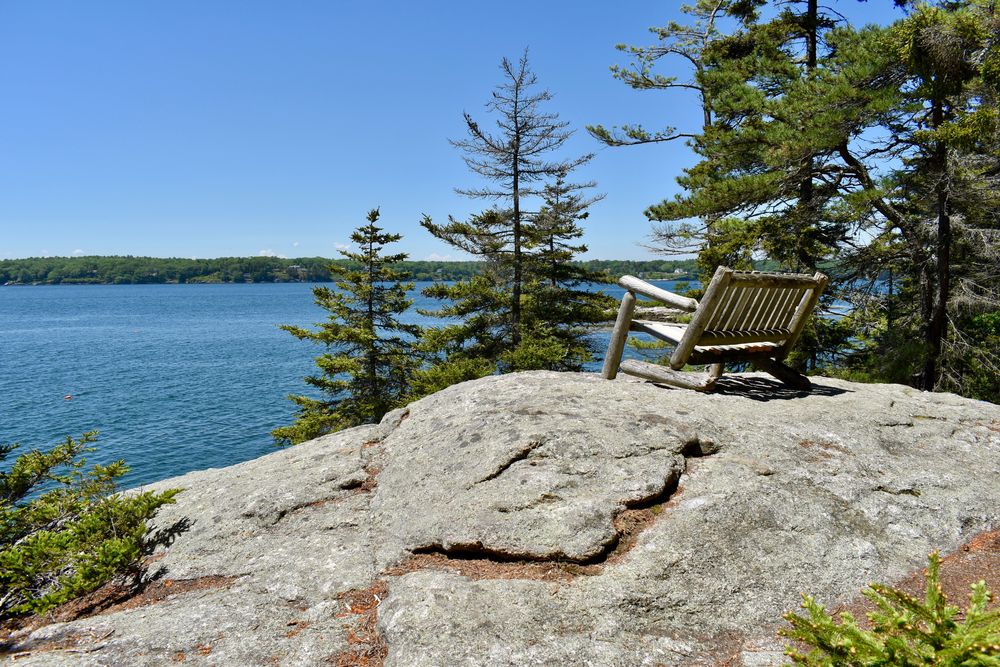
516, 161
370, 359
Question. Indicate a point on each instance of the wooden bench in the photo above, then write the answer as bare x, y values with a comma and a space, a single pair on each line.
744, 316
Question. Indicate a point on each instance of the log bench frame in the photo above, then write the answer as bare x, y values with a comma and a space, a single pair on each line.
744, 316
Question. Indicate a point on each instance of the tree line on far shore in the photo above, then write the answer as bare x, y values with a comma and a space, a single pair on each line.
127, 270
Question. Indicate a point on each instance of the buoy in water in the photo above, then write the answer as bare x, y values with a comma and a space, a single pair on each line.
68, 397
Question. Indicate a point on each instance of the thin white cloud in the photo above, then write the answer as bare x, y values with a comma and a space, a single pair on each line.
295, 244
77, 252
343, 246
270, 253
434, 257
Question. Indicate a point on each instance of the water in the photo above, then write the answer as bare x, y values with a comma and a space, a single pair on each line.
175, 377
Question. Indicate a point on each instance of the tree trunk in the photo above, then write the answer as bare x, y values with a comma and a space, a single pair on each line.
937, 324
553, 265
515, 305
888, 305
372, 351
803, 259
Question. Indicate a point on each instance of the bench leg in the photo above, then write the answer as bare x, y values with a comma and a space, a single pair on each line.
619, 335
656, 373
783, 372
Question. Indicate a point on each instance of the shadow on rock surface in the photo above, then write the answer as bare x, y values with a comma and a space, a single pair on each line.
764, 389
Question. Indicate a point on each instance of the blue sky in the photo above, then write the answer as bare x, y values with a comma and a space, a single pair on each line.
211, 128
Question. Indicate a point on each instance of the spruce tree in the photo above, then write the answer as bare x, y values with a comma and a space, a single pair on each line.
371, 353
904, 630
515, 161
560, 305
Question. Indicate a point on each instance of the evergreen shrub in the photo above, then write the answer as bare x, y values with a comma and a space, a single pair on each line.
64, 530
905, 631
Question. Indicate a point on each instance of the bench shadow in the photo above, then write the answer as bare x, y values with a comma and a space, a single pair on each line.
766, 389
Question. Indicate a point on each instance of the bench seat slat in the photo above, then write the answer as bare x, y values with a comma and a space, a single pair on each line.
724, 354
662, 330
760, 279
743, 336
674, 332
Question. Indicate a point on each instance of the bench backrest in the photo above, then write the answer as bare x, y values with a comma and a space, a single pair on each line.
746, 307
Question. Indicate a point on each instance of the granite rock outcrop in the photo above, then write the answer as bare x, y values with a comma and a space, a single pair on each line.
551, 519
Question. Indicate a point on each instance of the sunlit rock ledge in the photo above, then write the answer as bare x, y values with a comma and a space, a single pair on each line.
551, 519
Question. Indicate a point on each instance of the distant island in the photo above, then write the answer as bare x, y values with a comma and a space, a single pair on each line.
128, 270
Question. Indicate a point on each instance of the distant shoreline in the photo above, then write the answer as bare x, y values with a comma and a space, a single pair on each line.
118, 270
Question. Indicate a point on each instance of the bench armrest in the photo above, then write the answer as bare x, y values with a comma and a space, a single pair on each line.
633, 284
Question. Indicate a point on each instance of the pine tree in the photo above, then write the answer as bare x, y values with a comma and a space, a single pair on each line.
938, 231
767, 184
689, 44
371, 357
515, 161
770, 159
872, 151
686, 42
